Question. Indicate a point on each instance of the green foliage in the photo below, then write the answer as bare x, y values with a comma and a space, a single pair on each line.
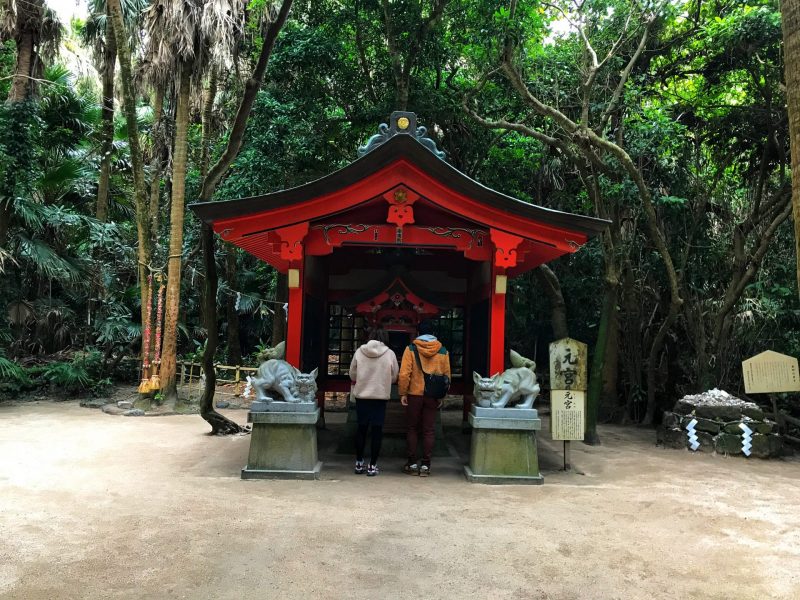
68, 376
701, 116
11, 372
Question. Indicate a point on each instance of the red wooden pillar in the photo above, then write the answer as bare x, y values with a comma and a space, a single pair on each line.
504, 256
294, 326
497, 321
292, 250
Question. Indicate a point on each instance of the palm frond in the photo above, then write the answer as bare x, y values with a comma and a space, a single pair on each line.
10, 371
69, 376
47, 261
31, 213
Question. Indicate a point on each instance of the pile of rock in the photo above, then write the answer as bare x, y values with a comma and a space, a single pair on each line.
719, 416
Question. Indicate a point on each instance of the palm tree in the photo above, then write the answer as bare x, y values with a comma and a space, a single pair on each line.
186, 38
219, 423
129, 96
99, 34
37, 33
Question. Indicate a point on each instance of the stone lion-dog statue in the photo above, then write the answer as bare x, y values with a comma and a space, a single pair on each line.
517, 384
281, 377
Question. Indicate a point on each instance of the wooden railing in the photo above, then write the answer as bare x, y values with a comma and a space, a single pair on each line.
190, 378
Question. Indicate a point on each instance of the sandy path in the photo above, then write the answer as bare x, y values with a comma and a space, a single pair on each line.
96, 506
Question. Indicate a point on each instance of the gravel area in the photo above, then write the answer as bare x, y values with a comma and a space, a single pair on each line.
100, 506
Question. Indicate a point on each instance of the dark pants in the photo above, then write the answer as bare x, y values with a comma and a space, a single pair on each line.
421, 415
371, 413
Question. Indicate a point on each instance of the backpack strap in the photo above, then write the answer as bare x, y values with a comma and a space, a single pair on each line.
416, 355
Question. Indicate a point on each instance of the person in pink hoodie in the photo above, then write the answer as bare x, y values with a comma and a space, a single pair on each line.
373, 370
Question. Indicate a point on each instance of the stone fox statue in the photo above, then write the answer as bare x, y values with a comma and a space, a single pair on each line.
516, 383
291, 384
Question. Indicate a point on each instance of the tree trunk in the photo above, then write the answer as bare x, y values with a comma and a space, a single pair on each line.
251, 88
26, 57
21, 86
156, 164
220, 425
652, 362
107, 127
790, 11
208, 106
608, 395
598, 360
173, 297
126, 78
5, 221
558, 308
234, 345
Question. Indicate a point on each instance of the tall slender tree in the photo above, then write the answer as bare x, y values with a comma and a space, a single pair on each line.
99, 34
129, 95
36, 32
219, 423
187, 39
790, 13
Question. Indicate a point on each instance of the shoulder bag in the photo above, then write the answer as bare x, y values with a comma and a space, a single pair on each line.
436, 386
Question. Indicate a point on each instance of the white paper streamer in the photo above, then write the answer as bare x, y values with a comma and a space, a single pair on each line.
248, 388
747, 439
693, 443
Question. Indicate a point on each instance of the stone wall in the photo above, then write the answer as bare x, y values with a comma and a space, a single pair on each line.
719, 416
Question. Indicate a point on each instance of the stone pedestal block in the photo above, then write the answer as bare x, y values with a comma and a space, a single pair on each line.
283, 445
504, 450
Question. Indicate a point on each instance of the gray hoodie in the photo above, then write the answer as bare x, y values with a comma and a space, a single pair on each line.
373, 370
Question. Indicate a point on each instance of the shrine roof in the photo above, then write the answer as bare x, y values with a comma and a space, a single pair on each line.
392, 148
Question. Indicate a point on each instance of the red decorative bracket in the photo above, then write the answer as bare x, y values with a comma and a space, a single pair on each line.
292, 241
505, 248
400, 201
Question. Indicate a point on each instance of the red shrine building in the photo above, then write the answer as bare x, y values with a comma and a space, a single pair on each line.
397, 236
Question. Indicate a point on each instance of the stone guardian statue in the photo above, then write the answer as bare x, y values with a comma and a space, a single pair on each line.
517, 384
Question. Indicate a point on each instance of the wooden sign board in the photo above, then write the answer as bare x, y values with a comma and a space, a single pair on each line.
568, 365
567, 414
770, 372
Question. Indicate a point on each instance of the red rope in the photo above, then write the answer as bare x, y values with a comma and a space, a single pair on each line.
147, 327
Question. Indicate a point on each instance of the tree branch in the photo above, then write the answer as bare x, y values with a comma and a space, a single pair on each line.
252, 86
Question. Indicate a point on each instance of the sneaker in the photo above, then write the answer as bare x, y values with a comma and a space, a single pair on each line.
411, 468
372, 470
424, 470
360, 468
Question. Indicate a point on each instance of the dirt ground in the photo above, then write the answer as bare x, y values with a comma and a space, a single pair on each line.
101, 506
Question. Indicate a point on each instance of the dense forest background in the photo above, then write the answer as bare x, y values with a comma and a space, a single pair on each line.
669, 118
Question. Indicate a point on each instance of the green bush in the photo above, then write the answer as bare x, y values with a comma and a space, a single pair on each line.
13, 377
69, 377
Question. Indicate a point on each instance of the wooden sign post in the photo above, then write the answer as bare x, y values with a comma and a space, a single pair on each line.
568, 392
770, 372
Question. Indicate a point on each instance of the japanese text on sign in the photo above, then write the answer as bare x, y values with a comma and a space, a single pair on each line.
568, 414
567, 365
770, 372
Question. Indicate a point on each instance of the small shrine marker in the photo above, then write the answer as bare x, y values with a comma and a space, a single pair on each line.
568, 414
770, 372
568, 384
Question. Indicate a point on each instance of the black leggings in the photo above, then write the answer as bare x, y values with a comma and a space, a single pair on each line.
371, 413
375, 442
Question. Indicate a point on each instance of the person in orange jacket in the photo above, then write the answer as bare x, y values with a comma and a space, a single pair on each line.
421, 409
